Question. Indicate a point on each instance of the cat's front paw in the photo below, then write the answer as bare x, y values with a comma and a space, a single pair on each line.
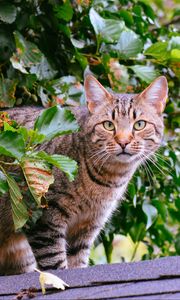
76, 262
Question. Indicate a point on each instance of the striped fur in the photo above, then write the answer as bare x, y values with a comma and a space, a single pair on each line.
78, 210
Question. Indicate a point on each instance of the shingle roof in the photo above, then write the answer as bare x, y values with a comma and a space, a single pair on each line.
146, 280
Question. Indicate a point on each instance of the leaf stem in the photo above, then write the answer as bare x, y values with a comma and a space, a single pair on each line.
2, 169
135, 250
7, 163
98, 44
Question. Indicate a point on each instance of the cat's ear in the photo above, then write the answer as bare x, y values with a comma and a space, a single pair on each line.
96, 94
156, 94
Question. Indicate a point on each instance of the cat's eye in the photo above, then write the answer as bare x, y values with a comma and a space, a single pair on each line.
108, 125
139, 125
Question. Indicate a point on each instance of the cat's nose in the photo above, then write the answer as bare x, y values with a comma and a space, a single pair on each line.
123, 145
123, 140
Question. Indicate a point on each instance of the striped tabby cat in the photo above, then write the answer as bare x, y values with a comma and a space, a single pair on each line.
118, 132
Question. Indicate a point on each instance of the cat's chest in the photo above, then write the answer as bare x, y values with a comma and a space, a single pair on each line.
96, 206
91, 215
98, 195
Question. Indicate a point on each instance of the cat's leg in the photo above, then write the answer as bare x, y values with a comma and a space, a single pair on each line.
48, 238
79, 245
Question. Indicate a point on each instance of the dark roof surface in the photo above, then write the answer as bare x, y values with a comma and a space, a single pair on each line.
146, 280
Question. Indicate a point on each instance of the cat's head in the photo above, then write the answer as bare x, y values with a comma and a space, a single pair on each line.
125, 127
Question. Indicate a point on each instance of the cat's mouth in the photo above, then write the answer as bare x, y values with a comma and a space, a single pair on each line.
124, 153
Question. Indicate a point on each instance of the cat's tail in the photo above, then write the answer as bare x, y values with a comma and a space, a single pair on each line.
16, 255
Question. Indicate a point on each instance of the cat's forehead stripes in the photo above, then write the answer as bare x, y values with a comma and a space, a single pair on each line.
115, 112
124, 107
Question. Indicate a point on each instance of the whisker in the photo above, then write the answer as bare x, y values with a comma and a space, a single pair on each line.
163, 159
157, 157
97, 152
98, 159
155, 164
148, 170
105, 159
149, 157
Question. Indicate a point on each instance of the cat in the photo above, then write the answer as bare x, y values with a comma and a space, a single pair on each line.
118, 133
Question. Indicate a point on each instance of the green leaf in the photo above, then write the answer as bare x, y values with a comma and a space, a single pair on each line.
8, 12
8, 127
174, 43
117, 73
64, 163
43, 70
147, 9
97, 21
77, 43
128, 45
65, 29
38, 176
56, 121
66, 88
3, 184
12, 144
107, 29
82, 60
145, 73
137, 231
28, 58
132, 190
7, 92
127, 16
27, 54
65, 11
175, 55
150, 212
19, 209
135, 201
35, 137
24, 132
137, 10
6, 45
108, 247
162, 209
177, 244
158, 51
44, 95
177, 203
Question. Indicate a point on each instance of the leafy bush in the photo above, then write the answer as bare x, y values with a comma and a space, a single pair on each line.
45, 49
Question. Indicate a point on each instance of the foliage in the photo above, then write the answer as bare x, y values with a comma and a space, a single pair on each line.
45, 49
21, 145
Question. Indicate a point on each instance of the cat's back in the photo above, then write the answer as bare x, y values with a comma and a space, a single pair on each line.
66, 144
25, 116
